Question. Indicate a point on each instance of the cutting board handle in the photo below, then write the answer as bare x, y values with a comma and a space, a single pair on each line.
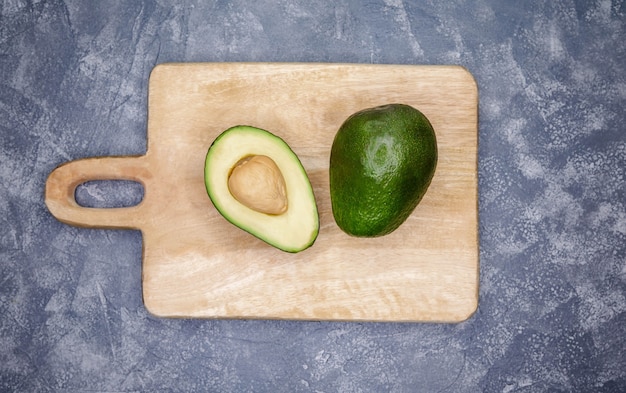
62, 182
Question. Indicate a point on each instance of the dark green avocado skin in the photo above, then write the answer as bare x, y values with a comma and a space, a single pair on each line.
381, 163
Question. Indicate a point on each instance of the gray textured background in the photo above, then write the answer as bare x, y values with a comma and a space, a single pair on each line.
552, 157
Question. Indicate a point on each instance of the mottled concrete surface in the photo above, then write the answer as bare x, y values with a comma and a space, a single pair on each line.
552, 159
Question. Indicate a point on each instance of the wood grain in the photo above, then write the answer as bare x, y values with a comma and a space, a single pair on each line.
196, 264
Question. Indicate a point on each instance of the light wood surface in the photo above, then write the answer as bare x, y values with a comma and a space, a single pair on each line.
196, 264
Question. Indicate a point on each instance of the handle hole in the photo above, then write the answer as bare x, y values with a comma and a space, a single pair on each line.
109, 193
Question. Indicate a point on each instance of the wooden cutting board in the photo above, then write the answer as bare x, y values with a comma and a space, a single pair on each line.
196, 264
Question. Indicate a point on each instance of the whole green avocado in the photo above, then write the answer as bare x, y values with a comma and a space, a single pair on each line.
382, 161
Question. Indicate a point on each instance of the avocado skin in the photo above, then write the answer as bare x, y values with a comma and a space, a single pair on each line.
381, 163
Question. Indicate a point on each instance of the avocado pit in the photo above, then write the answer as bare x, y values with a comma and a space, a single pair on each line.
257, 183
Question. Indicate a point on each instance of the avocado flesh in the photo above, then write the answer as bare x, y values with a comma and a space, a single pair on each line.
382, 162
292, 231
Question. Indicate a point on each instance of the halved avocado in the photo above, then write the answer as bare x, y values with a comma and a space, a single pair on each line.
271, 196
